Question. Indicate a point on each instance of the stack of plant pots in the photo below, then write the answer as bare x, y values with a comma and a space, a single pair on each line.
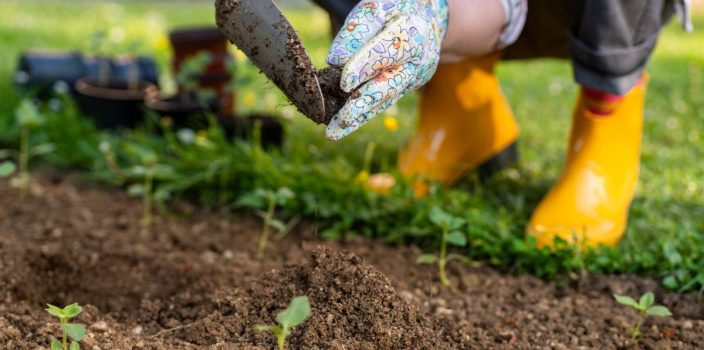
184, 108
216, 76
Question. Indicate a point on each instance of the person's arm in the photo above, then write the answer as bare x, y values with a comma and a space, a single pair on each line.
474, 29
388, 48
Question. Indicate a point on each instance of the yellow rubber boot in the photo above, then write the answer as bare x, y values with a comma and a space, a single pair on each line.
464, 122
589, 204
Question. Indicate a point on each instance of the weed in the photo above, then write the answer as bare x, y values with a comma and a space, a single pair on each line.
295, 314
259, 199
645, 308
187, 77
75, 331
148, 171
28, 118
450, 226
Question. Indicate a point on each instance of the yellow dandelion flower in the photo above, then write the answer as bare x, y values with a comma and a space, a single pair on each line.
161, 42
363, 176
240, 56
249, 99
391, 123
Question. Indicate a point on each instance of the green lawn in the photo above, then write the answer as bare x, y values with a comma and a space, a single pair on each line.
666, 230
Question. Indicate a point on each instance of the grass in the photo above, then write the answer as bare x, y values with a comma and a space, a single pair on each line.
665, 234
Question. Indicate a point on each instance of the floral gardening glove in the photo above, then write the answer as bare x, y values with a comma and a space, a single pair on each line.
386, 49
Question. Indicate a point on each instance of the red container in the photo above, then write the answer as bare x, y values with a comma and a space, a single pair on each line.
190, 41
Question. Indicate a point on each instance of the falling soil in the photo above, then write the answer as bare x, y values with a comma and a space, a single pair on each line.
335, 97
191, 282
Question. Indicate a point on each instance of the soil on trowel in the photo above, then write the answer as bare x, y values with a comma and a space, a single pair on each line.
335, 97
354, 306
192, 281
291, 79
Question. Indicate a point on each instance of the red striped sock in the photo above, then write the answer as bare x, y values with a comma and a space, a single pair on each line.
602, 103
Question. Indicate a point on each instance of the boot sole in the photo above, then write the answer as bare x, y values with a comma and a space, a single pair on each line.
502, 160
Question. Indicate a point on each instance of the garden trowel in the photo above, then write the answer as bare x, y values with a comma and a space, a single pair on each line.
259, 29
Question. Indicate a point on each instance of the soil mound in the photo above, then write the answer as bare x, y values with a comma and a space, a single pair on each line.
354, 306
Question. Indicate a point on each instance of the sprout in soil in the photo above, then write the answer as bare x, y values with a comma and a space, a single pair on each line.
268, 200
28, 118
147, 172
449, 225
296, 313
75, 331
645, 308
187, 79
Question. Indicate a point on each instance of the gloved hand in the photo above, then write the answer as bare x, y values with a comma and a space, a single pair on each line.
386, 49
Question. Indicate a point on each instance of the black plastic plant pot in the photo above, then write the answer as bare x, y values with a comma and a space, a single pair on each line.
271, 130
38, 71
184, 112
113, 106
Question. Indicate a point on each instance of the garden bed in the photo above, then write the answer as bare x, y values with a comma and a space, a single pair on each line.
191, 281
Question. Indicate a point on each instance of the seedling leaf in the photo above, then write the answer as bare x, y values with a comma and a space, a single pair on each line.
252, 200
72, 310
278, 225
28, 115
75, 330
55, 345
55, 311
626, 300
659, 311
42, 149
283, 194
646, 301
439, 217
457, 238
296, 313
136, 190
427, 259
75, 346
7, 168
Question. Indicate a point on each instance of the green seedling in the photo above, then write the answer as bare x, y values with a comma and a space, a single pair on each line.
76, 331
7, 168
450, 226
28, 118
645, 308
148, 171
295, 314
187, 79
260, 199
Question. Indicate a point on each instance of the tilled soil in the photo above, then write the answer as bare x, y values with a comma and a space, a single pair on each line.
192, 282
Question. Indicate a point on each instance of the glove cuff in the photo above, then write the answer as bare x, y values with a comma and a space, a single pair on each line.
516, 12
442, 13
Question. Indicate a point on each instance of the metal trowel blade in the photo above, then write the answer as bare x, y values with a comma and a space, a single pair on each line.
259, 29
